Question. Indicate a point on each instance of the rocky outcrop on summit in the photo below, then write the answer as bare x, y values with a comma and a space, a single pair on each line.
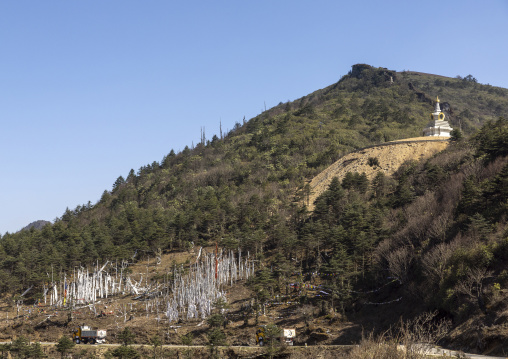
36, 225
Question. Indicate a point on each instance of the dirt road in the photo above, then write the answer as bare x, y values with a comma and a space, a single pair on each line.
430, 351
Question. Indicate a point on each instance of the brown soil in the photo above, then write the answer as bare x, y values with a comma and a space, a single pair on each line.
390, 156
321, 333
42, 323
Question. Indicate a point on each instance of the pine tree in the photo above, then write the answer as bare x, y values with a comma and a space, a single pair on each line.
64, 345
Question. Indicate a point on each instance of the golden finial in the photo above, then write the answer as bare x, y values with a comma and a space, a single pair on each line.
437, 98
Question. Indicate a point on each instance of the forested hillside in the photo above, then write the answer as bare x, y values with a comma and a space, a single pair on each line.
437, 228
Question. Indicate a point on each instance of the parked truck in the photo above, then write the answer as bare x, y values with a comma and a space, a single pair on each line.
85, 334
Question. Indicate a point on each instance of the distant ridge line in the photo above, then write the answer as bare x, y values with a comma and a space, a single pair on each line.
426, 73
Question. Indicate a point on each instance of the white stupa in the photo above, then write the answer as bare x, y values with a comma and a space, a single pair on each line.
438, 126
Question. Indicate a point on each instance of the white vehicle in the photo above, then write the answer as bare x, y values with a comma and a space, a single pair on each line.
288, 336
85, 334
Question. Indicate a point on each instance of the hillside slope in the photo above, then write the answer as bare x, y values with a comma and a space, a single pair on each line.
430, 237
389, 157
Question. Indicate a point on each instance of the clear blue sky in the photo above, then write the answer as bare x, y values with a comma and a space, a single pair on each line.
90, 89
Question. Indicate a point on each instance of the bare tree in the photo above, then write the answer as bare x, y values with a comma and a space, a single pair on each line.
417, 335
399, 262
424, 329
439, 224
411, 340
435, 262
419, 215
472, 285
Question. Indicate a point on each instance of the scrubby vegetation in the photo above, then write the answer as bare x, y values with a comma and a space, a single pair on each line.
434, 233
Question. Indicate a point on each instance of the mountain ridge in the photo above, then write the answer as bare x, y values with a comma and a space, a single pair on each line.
426, 225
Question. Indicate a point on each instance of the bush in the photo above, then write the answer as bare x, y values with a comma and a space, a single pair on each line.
373, 161
371, 347
126, 337
456, 135
215, 320
216, 338
64, 345
125, 352
412, 335
24, 349
187, 339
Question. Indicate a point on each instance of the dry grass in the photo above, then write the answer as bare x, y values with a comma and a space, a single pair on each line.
380, 348
390, 158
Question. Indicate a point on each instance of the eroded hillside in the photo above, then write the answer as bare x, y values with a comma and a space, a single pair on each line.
386, 158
